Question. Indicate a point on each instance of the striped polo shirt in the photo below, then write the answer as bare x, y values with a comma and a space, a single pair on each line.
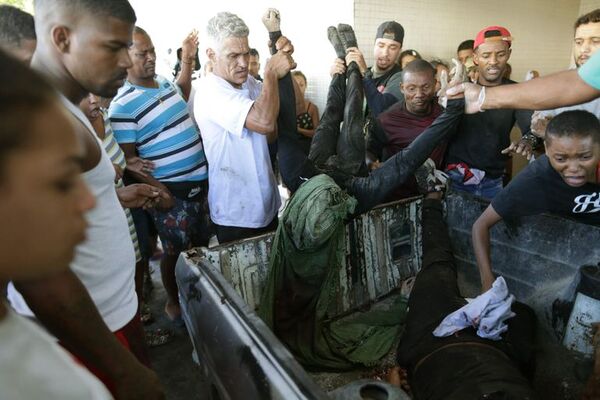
158, 121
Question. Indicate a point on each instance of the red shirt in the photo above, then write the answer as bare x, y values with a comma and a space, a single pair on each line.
402, 128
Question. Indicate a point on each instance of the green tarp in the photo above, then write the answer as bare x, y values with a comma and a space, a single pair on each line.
308, 252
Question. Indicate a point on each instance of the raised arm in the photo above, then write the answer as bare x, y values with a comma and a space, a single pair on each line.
189, 50
262, 117
481, 245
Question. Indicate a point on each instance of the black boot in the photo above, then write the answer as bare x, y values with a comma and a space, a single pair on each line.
347, 36
334, 38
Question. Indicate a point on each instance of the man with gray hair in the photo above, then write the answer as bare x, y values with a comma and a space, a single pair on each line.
237, 116
17, 33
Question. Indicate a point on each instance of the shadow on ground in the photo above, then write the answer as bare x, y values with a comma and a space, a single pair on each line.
173, 361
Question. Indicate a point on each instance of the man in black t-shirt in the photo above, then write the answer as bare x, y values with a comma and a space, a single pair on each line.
564, 181
477, 156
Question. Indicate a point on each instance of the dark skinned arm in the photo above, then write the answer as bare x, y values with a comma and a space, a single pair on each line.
557, 90
481, 245
166, 201
189, 49
62, 304
262, 117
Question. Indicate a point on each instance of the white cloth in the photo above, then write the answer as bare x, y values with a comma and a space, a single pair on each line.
242, 188
105, 262
33, 366
487, 312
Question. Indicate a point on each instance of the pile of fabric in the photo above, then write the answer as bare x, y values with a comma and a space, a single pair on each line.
307, 254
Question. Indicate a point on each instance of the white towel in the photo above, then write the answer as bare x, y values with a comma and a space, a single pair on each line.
487, 313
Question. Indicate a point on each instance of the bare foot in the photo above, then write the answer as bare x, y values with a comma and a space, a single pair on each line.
393, 376
398, 377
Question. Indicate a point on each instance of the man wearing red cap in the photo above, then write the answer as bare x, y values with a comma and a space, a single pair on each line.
478, 154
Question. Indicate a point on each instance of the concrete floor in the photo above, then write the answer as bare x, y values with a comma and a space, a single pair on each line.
173, 361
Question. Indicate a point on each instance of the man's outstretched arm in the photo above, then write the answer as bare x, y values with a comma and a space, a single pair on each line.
481, 245
557, 90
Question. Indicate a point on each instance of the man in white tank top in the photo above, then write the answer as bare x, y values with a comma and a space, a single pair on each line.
92, 309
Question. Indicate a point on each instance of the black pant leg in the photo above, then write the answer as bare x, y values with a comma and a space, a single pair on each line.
372, 190
294, 165
324, 142
435, 293
351, 148
226, 234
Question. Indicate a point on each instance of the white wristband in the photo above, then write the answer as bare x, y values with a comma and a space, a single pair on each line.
481, 99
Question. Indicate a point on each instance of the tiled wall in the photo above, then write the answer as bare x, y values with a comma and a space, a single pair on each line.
542, 28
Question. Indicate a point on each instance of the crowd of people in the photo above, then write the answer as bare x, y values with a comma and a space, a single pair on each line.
99, 156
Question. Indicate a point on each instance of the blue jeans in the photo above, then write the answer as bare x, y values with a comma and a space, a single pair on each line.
488, 188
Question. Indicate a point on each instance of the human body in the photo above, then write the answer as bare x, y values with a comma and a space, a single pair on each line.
92, 307
308, 120
585, 43
463, 365
397, 127
564, 182
150, 118
40, 175
237, 118
477, 157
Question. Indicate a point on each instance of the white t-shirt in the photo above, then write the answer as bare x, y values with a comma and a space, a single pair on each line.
34, 366
242, 188
105, 262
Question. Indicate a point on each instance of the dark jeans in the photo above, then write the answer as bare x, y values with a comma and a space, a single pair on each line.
461, 366
488, 188
340, 153
227, 234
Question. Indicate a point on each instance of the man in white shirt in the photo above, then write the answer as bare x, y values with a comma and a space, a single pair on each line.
237, 116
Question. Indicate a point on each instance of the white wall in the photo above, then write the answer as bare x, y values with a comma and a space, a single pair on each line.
542, 29
305, 23
588, 5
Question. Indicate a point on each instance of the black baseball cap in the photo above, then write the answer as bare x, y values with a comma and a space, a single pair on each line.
390, 30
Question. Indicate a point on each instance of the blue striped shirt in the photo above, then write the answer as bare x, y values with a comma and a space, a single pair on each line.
158, 121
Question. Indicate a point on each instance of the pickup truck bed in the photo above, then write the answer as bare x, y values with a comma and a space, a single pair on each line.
241, 358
